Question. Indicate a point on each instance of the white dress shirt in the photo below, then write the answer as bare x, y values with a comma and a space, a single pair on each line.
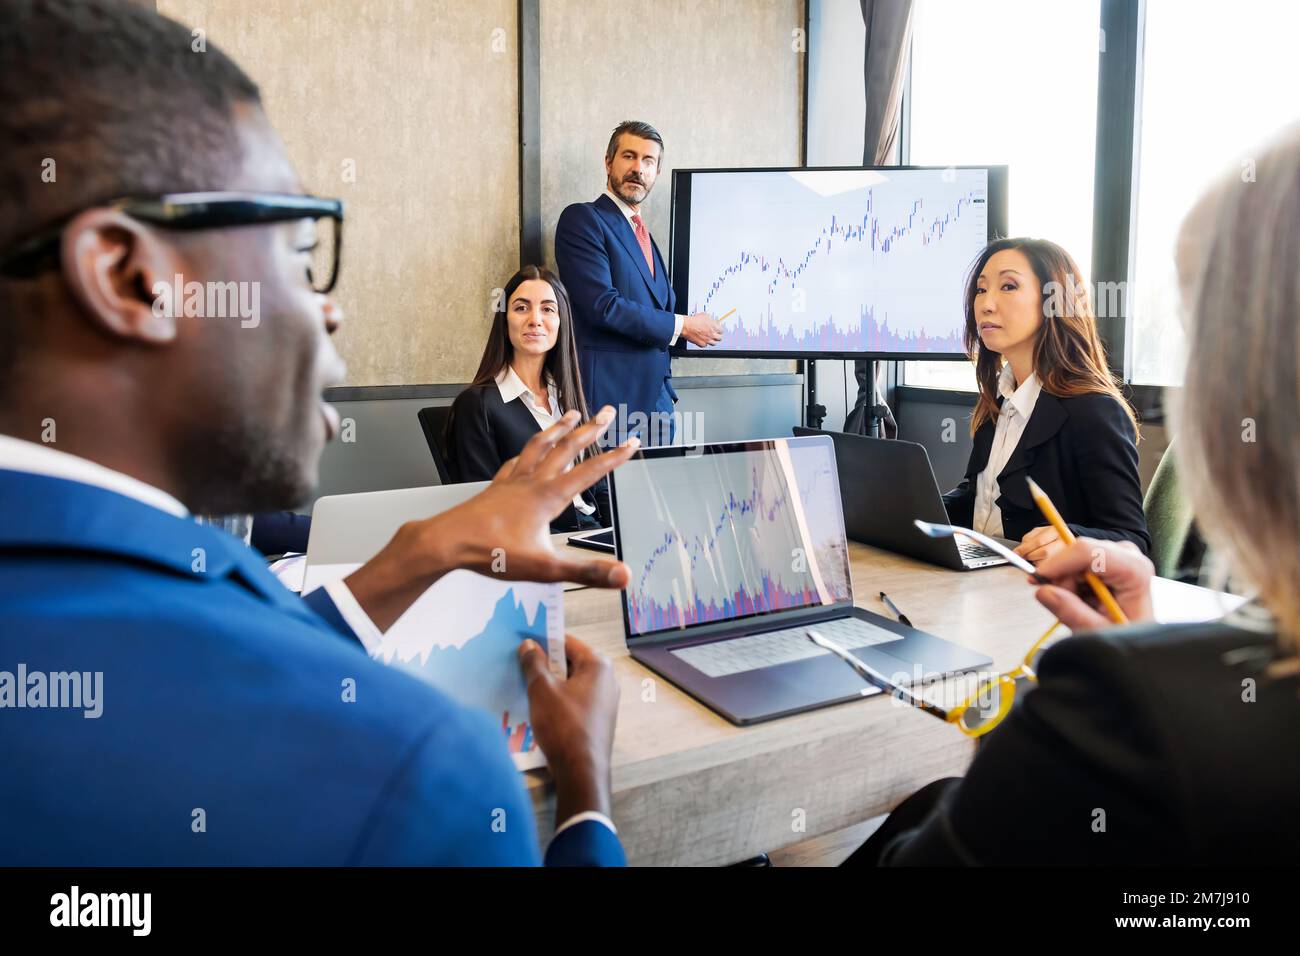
511, 386
628, 213
16, 454
1017, 405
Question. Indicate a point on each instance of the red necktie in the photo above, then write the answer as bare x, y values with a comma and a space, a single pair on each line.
643, 240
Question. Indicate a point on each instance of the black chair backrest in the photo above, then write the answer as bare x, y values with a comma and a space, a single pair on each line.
433, 420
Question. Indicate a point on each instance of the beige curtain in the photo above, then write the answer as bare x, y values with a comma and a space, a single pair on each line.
889, 38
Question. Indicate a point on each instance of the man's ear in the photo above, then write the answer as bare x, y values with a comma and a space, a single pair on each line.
121, 274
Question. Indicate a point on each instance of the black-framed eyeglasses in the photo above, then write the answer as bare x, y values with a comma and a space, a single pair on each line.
208, 210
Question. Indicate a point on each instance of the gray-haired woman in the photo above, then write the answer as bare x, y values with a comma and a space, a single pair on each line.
1171, 744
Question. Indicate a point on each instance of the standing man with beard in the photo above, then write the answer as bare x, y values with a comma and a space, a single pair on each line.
623, 304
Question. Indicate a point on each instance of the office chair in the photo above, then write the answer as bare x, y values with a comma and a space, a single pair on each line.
1177, 549
433, 420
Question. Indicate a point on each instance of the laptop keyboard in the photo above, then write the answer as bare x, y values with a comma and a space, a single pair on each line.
974, 552
740, 654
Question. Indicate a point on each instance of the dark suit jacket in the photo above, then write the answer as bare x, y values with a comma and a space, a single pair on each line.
623, 316
1082, 451
1147, 744
486, 432
279, 532
221, 690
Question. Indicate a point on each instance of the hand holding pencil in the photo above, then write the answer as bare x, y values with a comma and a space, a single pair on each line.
1093, 583
702, 329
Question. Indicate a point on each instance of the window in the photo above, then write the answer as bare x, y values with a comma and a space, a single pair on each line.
1217, 80
1014, 82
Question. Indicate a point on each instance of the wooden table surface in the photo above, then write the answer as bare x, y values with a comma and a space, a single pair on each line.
692, 788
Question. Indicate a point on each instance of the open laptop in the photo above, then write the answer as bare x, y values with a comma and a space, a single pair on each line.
352, 529
887, 484
600, 539
736, 549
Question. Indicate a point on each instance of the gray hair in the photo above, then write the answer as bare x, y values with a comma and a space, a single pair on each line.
633, 128
1238, 446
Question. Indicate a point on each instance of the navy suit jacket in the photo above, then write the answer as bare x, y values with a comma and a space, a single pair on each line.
623, 316
279, 532
226, 734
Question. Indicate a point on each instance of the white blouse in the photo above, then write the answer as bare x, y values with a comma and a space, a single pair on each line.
1017, 405
511, 386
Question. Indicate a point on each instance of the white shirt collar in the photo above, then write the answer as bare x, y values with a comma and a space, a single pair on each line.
16, 454
627, 211
511, 386
1022, 398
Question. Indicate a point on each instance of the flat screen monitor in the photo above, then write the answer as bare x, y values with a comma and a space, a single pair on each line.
832, 262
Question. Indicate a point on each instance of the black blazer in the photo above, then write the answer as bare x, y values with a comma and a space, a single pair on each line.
487, 432
1082, 451
1149, 744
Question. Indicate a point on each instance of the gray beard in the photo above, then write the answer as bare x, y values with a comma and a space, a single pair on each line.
617, 190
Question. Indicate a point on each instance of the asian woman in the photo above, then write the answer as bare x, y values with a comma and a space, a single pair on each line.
1048, 407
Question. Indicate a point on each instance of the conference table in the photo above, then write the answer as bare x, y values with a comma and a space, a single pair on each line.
691, 788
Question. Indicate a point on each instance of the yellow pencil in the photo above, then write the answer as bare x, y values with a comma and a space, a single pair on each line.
729, 313
1054, 518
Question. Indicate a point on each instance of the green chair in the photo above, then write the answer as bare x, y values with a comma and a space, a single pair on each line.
1177, 550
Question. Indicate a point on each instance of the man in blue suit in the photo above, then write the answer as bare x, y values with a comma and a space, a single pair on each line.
163, 698
624, 307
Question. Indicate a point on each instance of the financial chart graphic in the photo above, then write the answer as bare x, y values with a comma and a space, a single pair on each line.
462, 636
467, 647
721, 536
836, 260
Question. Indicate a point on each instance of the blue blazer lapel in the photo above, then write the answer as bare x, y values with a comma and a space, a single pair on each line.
38, 512
663, 288
623, 229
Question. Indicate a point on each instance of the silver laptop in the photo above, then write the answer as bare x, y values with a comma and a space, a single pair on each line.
735, 550
351, 529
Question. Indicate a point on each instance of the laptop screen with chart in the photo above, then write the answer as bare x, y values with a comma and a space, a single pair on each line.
723, 532
833, 262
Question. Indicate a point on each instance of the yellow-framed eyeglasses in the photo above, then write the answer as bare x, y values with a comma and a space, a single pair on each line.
993, 697
974, 716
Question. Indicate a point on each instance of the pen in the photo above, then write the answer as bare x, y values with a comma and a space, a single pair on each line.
1067, 536
902, 618
874, 677
729, 313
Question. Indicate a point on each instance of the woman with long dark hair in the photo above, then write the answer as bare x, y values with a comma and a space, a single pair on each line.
1048, 407
526, 381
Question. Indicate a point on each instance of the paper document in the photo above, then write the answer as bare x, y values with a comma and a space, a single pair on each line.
463, 636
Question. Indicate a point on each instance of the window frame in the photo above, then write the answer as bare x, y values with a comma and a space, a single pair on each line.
1119, 95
